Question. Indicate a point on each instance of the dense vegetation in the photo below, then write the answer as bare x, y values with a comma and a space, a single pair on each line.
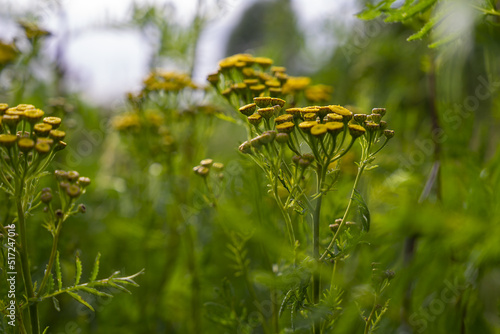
349, 189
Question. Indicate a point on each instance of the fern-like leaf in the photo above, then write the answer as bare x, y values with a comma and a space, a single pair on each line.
95, 269
78, 275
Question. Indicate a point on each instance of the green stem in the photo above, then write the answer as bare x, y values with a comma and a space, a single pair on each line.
53, 253
347, 210
28, 283
370, 317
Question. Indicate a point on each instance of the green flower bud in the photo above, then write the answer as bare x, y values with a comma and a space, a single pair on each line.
255, 119
360, 118
383, 125
388, 133
295, 159
286, 127
61, 174
82, 208
262, 102
245, 147
203, 171
83, 181
218, 165
283, 119
356, 130
60, 146
334, 227
380, 111
206, 162
248, 109
376, 118
371, 126
295, 112
266, 112
59, 214
72, 176
277, 102
308, 156
73, 191
282, 138
46, 197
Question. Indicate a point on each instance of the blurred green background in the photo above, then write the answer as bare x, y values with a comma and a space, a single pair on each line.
434, 199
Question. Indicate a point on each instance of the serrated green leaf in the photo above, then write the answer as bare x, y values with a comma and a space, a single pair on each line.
226, 118
50, 283
373, 12
79, 299
363, 211
427, 27
406, 12
78, 276
55, 301
95, 269
58, 272
95, 292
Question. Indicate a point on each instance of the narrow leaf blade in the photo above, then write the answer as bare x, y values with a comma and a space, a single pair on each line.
363, 211
79, 299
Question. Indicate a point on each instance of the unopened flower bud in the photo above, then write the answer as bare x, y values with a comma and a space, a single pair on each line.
42, 129
286, 127
59, 214
380, 111
266, 112
388, 133
61, 174
245, 148
376, 118
356, 130
248, 109
262, 102
46, 197
282, 138
383, 125
255, 119
360, 118
73, 175
334, 227
295, 159
83, 181
82, 208
203, 171
206, 162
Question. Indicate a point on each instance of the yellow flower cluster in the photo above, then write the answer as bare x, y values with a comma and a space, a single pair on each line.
131, 121
242, 77
8, 53
26, 135
167, 81
318, 93
32, 30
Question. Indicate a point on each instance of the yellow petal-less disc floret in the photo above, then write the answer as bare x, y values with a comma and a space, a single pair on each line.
319, 130
356, 130
285, 127
334, 128
255, 119
25, 144
307, 125
42, 129
57, 135
283, 118
33, 115
7, 140
54, 121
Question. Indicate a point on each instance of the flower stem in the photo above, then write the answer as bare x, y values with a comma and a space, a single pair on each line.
23, 250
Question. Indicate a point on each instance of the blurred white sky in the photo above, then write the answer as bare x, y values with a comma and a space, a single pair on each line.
105, 63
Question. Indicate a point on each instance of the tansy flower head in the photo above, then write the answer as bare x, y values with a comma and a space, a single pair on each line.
285, 127
307, 125
248, 109
356, 130
262, 102
255, 119
318, 130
